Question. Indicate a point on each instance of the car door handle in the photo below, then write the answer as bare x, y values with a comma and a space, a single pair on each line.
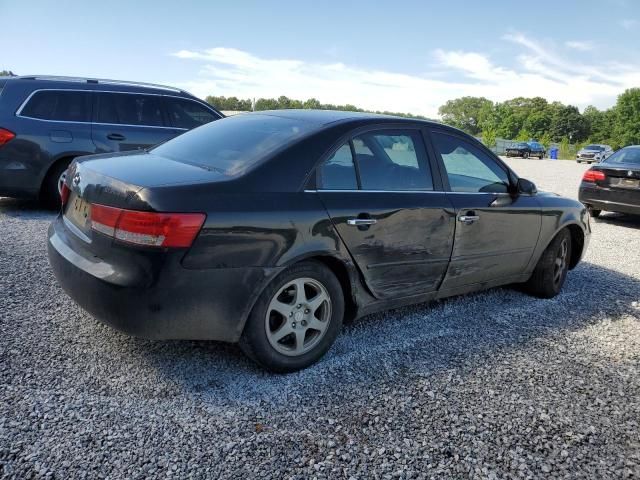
468, 219
359, 222
116, 136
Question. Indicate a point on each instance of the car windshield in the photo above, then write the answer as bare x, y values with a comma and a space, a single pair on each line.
234, 144
522, 144
594, 147
626, 155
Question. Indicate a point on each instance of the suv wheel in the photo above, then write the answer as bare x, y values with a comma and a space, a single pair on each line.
525, 155
50, 193
296, 319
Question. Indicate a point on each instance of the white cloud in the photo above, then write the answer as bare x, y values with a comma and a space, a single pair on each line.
629, 23
579, 45
538, 71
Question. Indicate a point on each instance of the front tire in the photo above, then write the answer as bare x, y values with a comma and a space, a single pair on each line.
551, 272
594, 212
296, 319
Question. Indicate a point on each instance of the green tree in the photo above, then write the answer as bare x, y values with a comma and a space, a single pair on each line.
627, 117
568, 122
466, 113
489, 137
7, 73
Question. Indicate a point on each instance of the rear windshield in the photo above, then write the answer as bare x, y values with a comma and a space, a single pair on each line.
234, 144
626, 155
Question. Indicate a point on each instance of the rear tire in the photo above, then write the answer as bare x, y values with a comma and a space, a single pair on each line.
594, 212
525, 155
551, 272
296, 318
50, 195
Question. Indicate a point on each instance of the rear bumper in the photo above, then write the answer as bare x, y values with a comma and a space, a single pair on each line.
18, 182
610, 200
154, 296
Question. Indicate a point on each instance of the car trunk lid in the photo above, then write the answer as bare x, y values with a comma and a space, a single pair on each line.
624, 177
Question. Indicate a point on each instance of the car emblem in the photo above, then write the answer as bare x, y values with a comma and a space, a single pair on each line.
76, 180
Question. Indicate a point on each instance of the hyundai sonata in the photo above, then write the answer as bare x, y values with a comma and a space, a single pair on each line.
269, 229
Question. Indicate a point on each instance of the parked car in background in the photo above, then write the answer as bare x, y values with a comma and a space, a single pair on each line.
45, 122
526, 150
269, 228
594, 153
613, 184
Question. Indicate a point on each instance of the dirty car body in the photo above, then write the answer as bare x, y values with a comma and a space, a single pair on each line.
401, 211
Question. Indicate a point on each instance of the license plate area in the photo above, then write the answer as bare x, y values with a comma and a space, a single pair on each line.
78, 213
625, 182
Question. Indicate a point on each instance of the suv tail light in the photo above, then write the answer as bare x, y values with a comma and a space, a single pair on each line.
177, 230
593, 176
6, 136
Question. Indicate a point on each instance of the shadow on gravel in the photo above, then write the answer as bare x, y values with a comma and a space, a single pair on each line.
620, 219
24, 209
415, 341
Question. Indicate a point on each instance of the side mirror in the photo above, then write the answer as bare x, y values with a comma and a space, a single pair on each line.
527, 187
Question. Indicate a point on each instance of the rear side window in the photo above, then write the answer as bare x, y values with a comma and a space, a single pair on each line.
338, 172
187, 113
130, 109
385, 161
68, 106
232, 145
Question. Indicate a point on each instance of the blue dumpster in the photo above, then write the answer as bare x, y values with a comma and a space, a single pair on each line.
553, 153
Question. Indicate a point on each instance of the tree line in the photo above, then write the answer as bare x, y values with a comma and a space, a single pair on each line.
535, 118
282, 102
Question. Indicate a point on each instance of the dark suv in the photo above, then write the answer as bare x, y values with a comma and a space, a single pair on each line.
45, 122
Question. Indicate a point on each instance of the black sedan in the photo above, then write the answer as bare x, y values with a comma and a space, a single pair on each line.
526, 150
269, 229
613, 184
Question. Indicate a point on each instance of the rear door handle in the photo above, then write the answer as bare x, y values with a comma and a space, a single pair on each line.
116, 136
358, 222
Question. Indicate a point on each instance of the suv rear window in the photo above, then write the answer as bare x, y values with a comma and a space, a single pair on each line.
130, 109
187, 113
68, 106
234, 144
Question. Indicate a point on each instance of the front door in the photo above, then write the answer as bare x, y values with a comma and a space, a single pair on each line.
380, 194
129, 121
496, 232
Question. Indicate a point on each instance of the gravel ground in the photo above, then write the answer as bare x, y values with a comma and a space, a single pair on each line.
492, 385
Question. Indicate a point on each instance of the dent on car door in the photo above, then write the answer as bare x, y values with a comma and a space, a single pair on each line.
496, 230
128, 121
380, 195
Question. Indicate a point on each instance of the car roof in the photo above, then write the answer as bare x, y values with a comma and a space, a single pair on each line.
84, 83
325, 117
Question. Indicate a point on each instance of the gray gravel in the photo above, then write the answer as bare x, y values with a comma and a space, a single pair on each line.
496, 385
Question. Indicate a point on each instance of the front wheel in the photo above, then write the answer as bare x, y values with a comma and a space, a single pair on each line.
594, 212
296, 319
551, 272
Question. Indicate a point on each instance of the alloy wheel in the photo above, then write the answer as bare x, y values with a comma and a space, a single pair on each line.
560, 264
298, 316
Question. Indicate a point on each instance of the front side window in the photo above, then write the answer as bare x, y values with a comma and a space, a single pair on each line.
338, 172
188, 114
60, 105
469, 169
130, 109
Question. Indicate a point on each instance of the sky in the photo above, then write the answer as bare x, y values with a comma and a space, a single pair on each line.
402, 56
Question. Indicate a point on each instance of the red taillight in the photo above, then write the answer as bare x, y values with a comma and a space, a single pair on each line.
151, 229
6, 136
64, 194
593, 176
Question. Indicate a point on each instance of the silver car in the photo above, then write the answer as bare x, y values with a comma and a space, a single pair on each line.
594, 153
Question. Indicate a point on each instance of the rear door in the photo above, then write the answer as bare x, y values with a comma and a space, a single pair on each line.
496, 232
393, 217
129, 121
185, 114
